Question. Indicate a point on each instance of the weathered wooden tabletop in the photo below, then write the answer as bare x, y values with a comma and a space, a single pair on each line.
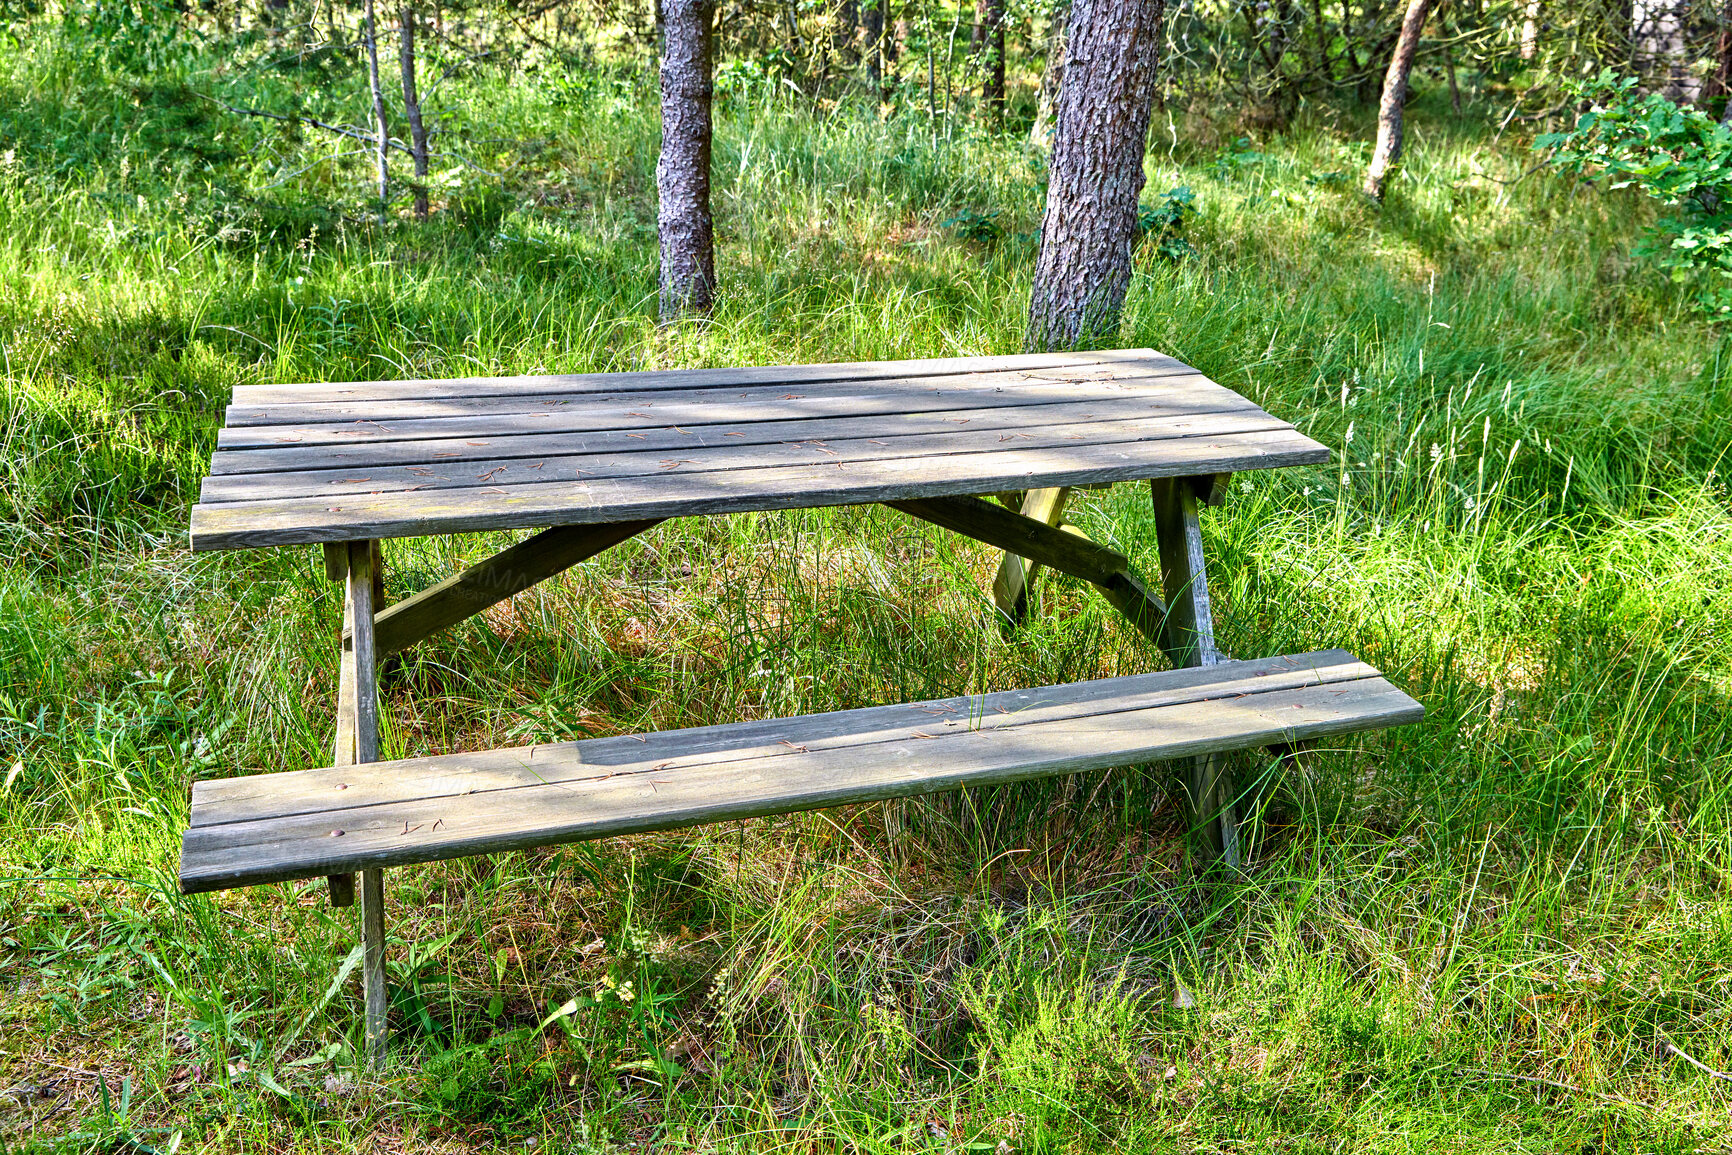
348, 462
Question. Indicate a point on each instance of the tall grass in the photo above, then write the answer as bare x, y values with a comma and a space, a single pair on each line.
1498, 930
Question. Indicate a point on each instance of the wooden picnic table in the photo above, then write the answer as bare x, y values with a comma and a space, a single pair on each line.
590, 460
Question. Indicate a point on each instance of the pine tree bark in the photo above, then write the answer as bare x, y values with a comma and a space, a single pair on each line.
412, 108
688, 258
381, 130
1389, 112
1112, 50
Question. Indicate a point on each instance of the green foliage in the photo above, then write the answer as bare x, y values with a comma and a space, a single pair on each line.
980, 227
1163, 223
1681, 157
1480, 933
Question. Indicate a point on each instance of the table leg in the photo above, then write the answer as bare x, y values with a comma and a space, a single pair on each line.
1190, 633
1016, 575
358, 741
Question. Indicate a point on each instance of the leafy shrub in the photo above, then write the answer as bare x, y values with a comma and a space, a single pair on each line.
973, 225
1681, 157
1163, 223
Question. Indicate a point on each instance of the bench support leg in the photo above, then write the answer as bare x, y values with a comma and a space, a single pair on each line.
1010, 590
358, 741
1190, 633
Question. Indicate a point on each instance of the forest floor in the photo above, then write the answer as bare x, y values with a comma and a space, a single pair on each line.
1508, 928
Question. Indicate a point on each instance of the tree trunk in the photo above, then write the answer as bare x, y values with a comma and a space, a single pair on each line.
1662, 52
1531, 30
688, 272
872, 22
381, 130
991, 13
412, 109
1112, 51
1051, 79
1388, 149
1722, 83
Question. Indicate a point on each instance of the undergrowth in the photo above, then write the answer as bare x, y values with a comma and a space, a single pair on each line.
1502, 929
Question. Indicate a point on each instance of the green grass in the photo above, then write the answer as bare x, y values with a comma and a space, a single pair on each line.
1485, 933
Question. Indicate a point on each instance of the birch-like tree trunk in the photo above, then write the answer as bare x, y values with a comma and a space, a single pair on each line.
412, 109
1530, 43
1389, 112
688, 269
1662, 51
1112, 52
381, 130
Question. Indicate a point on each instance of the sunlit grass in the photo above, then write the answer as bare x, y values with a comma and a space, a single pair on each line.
1493, 931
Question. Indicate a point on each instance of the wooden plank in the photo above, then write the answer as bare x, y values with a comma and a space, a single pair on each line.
1179, 536
484, 404
1190, 633
1016, 574
1018, 533
448, 827
498, 473
262, 796
506, 573
298, 520
360, 660
436, 451
635, 416
669, 379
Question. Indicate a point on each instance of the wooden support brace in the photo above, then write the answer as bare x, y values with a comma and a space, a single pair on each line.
1016, 575
1190, 632
506, 573
1018, 535
358, 742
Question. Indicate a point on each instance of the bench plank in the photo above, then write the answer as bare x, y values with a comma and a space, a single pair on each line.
497, 472
488, 405
667, 379
475, 804
683, 492
632, 413
362, 453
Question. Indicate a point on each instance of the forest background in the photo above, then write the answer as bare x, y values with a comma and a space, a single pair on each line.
1508, 928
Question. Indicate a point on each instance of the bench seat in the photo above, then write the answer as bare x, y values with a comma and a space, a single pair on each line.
302, 824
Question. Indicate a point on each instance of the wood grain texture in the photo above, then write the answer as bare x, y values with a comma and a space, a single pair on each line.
458, 805
678, 493
1014, 388
1016, 574
630, 413
675, 379
1019, 533
387, 451
631, 460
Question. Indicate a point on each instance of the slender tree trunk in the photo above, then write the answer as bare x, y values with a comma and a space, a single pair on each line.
992, 58
1051, 79
688, 272
1723, 73
1112, 53
1530, 44
412, 109
1388, 149
1662, 50
1454, 88
381, 130
872, 21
